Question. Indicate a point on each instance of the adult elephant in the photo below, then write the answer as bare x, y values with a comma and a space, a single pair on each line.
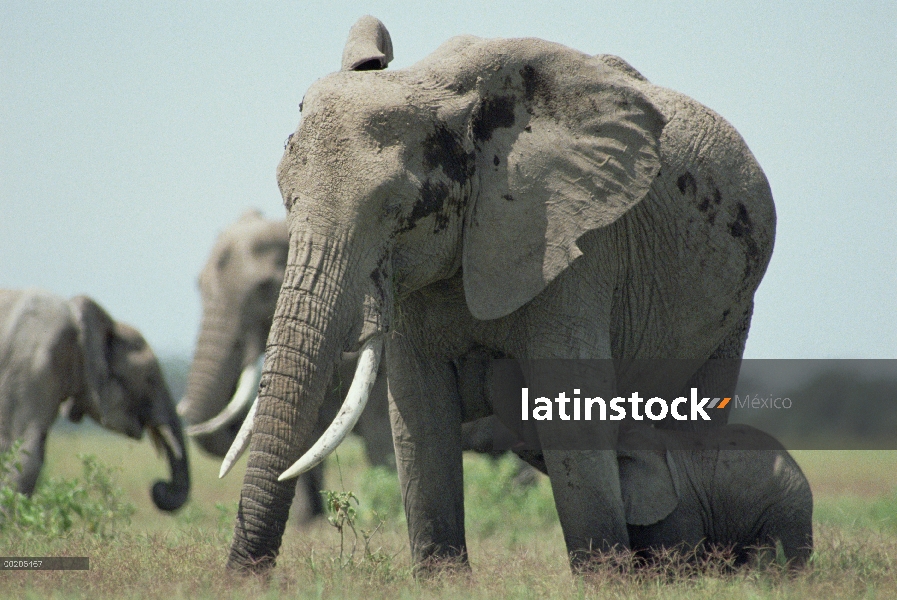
513, 195
239, 285
54, 350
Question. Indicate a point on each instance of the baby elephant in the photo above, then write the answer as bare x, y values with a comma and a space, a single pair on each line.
732, 487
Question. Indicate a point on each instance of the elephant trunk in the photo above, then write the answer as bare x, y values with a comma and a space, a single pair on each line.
165, 429
214, 371
313, 320
347, 417
247, 390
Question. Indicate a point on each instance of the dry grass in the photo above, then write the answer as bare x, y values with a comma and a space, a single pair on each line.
515, 541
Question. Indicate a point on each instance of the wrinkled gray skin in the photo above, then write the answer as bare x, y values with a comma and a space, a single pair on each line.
53, 350
733, 486
513, 195
239, 285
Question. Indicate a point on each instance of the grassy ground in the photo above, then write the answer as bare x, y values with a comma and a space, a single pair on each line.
515, 541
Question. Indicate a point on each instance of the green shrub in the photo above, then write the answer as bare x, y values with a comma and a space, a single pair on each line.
92, 502
382, 498
496, 502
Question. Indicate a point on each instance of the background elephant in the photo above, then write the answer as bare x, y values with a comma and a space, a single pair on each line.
513, 195
53, 350
733, 486
239, 285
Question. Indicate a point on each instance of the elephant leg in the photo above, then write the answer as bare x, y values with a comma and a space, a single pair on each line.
796, 537
580, 456
374, 427
31, 458
308, 503
586, 488
717, 377
425, 411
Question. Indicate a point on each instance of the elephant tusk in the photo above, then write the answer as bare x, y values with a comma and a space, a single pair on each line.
247, 386
163, 437
158, 442
172, 441
353, 405
241, 442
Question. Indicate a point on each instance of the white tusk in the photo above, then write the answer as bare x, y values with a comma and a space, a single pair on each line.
172, 442
241, 442
247, 386
353, 405
158, 442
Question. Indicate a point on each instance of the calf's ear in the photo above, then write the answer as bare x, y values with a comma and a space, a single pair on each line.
649, 480
648, 486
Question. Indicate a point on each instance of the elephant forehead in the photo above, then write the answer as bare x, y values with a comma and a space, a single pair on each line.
352, 100
131, 339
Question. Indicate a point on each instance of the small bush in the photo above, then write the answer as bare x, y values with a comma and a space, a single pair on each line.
382, 497
92, 502
493, 493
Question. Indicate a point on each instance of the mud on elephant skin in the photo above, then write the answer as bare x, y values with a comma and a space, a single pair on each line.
513, 195
54, 350
239, 285
733, 487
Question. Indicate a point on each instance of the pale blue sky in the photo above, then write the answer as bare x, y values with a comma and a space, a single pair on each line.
131, 133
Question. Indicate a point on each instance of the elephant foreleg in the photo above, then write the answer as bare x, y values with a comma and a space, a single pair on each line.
31, 459
580, 456
374, 428
586, 488
425, 412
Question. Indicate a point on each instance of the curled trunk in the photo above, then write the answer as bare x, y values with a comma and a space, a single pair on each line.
165, 429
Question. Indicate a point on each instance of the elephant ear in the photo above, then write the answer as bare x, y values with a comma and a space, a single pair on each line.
565, 145
96, 331
369, 47
649, 480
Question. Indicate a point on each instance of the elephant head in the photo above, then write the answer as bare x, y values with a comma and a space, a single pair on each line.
488, 160
239, 285
55, 350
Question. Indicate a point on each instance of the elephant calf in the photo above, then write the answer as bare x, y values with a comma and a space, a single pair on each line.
53, 350
733, 487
